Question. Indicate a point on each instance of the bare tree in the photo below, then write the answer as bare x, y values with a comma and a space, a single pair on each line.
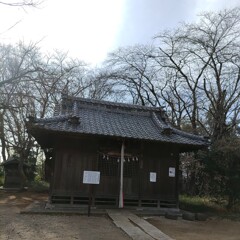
16, 63
193, 71
135, 73
55, 75
23, 3
31, 84
100, 86
177, 56
205, 57
146, 80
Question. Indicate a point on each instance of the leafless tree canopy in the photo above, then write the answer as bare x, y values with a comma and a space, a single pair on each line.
24, 3
193, 71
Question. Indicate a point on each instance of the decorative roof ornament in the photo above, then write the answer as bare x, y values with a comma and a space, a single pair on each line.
167, 131
74, 120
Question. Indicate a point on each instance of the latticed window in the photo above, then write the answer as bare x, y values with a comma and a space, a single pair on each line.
131, 167
110, 166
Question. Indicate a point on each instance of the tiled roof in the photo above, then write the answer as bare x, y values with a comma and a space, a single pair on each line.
95, 117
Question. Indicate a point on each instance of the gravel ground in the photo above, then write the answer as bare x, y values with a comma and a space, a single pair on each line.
14, 225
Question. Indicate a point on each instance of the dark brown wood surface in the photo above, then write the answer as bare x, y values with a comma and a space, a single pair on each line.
73, 157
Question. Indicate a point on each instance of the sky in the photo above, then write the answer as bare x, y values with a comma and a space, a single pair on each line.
90, 29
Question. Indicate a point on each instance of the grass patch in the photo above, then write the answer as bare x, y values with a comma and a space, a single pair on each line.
210, 206
201, 204
234, 216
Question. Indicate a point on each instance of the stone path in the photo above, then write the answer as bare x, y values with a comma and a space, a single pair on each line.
136, 227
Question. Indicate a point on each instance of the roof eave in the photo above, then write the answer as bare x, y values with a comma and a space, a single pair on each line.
40, 133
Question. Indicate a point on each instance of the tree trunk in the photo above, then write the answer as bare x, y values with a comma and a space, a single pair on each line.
2, 137
219, 118
21, 172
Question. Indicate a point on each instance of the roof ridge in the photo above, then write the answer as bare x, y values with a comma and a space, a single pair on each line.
110, 103
53, 118
161, 124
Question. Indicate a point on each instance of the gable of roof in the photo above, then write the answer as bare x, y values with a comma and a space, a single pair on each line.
103, 118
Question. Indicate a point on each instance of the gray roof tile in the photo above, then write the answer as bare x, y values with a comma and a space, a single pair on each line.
115, 119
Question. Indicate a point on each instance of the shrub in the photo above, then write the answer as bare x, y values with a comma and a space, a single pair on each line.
199, 204
38, 185
1, 180
1, 176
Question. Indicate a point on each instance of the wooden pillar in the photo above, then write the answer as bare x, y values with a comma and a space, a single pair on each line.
121, 176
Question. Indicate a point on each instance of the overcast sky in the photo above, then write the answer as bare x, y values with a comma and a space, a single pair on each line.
89, 29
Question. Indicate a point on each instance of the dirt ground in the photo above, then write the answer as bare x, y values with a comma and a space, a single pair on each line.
212, 229
16, 226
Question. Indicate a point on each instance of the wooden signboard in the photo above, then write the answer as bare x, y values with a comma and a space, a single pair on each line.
91, 178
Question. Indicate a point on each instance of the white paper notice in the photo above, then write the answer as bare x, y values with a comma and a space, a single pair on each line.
91, 177
153, 177
171, 172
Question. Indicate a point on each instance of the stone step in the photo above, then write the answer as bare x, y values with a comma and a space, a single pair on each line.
136, 227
